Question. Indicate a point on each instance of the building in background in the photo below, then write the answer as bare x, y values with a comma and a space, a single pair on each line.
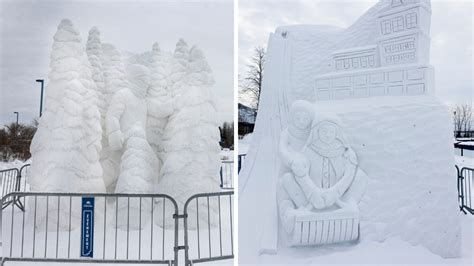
247, 118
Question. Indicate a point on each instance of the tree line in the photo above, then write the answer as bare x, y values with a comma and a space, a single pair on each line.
15, 140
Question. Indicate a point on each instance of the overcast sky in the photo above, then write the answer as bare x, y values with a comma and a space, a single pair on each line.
27, 29
451, 34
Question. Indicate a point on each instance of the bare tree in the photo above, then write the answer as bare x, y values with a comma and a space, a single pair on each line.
251, 85
462, 117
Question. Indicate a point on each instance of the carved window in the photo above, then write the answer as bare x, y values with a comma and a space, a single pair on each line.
339, 64
397, 24
363, 61
346, 63
355, 62
411, 20
386, 27
371, 60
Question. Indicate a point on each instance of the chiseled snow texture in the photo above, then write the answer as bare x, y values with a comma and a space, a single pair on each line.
159, 101
191, 137
65, 149
125, 123
115, 80
126, 120
95, 55
404, 144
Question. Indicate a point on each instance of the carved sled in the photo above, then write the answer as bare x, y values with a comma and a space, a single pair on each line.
326, 227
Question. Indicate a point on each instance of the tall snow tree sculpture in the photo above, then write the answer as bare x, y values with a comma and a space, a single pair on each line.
65, 149
95, 55
115, 80
192, 135
159, 101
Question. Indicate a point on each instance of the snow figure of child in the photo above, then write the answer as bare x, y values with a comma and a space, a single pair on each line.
126, 120
325, 185
292, 141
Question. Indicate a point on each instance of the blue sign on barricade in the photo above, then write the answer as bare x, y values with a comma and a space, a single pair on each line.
87, 227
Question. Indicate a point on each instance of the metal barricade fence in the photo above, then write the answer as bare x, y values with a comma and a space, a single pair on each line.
465, 188
49, 230
23, 174
227, 175
10, 182
208, 221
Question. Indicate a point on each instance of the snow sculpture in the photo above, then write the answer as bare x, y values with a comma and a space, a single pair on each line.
376, 77
191, 137
321, 192
115, 80
66, 146
126, 120
95, 55
159, 102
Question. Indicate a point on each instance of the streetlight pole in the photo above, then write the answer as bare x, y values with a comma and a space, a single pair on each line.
41, 99
17, 114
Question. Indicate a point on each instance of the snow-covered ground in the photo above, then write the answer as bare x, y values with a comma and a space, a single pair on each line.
464, 161
227, 155
12, 164
466, 153
393, 251
244, 143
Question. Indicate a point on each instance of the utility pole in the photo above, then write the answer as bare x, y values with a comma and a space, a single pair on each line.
17, 114
41, 99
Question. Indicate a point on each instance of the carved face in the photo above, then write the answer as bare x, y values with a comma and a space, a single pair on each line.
327, 133
302, 119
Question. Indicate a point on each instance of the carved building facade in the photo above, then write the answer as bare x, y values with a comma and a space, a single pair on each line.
397, 64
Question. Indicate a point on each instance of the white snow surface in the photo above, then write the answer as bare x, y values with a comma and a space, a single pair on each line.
191, 135
403, 143
464, 161
66, 146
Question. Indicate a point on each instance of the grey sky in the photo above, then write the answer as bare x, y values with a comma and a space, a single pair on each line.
27, 29
451, 34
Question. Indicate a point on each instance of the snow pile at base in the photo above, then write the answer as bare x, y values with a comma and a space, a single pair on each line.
393, 251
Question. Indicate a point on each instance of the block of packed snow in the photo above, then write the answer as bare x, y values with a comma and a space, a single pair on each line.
375, 77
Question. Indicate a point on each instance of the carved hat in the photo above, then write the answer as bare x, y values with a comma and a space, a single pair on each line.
340, 143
